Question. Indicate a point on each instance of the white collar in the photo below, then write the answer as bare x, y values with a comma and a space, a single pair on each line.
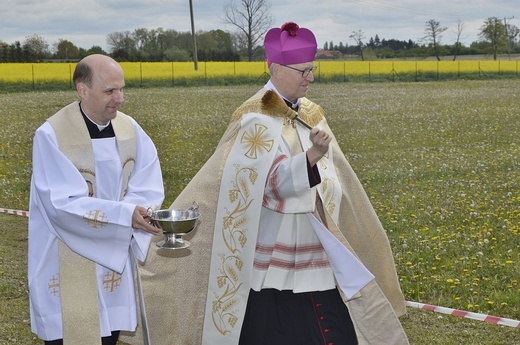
270, 86
100, 127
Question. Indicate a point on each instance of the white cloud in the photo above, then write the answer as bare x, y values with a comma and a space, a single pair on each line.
88, 22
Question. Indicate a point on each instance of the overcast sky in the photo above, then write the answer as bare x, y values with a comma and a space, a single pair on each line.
88, 22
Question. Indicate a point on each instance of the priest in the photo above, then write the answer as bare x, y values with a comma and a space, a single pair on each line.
96, 176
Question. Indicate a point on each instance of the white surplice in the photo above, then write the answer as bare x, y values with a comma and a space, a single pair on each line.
292, 250
60, 208
289, 255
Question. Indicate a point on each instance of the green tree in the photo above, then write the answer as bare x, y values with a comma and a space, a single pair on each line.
494, 32
95, 50
512, 33
176, 54
342, 48
377, 41
216, 45
66, 50
4, 52
37, 47
15, 52
166, 39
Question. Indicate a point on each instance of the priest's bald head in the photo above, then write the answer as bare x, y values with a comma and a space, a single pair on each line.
99, 81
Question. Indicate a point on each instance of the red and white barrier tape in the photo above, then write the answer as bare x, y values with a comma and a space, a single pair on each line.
455, 312
15, 212
466, 314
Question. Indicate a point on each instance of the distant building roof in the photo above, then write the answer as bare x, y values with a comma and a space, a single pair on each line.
328, 54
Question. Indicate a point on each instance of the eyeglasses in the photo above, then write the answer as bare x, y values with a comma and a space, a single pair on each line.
305, 72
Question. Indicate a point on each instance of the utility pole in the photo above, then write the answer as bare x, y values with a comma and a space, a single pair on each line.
506, 20
195, 62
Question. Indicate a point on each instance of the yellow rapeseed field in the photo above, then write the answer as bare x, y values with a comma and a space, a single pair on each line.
39, 73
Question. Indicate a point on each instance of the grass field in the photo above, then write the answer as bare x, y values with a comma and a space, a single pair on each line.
439, 160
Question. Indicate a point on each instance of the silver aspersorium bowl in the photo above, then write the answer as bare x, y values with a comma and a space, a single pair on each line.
175, 223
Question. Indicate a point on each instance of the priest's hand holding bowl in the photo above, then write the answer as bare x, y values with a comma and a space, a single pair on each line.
141, 220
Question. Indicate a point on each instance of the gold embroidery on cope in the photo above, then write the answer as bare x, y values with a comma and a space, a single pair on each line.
328, 194
288, 122
323, 161
235, 238
256, 141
